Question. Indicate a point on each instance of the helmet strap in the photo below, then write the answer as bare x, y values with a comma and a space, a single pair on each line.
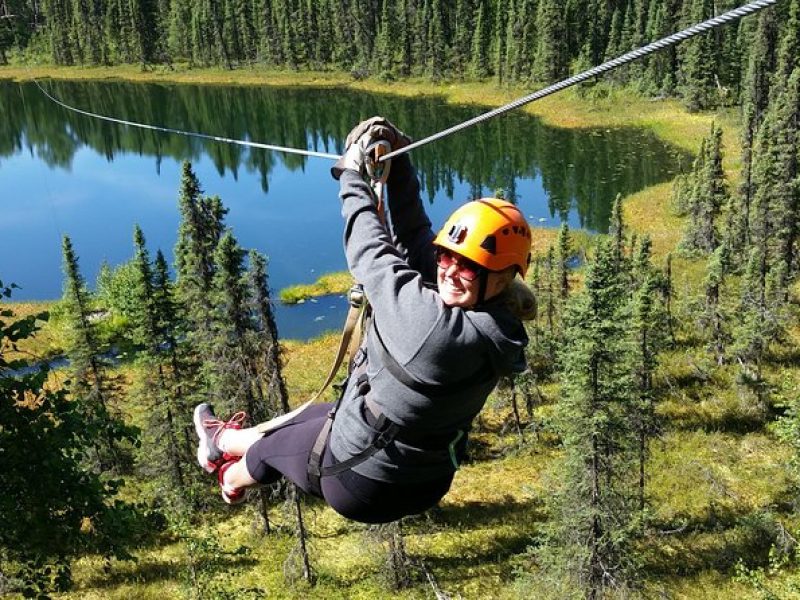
483, 282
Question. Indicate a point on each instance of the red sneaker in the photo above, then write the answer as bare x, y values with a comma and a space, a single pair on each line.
208, 427
230, 494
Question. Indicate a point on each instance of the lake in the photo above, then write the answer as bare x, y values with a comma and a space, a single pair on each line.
65, 173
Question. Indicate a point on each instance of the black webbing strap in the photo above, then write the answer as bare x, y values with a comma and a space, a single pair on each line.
387, 430
427, 389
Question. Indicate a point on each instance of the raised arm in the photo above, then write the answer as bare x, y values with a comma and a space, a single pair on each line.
411, 226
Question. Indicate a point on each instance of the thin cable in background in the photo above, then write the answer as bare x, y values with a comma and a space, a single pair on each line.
629, 57
204, 136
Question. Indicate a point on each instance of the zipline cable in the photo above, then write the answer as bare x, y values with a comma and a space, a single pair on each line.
203, 136
732, 15
631, 56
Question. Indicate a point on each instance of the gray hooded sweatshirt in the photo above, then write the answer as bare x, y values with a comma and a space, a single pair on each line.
456, 356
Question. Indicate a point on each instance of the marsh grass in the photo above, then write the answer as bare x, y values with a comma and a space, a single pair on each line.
46, 343
330, 283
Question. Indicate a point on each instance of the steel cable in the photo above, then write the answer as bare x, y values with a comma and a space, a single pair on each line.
593, 72
204, 136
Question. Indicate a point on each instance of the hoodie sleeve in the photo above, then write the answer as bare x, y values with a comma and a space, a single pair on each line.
407, 310
411, 226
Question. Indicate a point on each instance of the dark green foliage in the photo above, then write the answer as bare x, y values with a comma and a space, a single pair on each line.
514, 41
61, 509
93, 389
707, 196
15, 30
616, 233
564, 256
761, 61
595, 506
649, 333
165, 445
550, 61
229, 371
265, 336
697, 60
714, 320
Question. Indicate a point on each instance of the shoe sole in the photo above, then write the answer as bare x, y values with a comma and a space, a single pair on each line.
202, 448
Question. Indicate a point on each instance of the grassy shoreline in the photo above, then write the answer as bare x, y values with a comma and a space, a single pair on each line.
605, 106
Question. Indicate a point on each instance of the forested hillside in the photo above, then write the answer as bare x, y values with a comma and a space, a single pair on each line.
651, 449
508, 40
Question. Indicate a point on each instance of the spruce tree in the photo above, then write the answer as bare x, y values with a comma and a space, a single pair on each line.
588, 544
93, 388
550, 61
755, 97
159, 393
709, 195
754, 329
182, 367
479, 47
616, 231
698, 67
564, 256
786, 186
714, 319
199, 232
228, 366
648, 339
277, 395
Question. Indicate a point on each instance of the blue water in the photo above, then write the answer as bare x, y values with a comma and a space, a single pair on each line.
57, 179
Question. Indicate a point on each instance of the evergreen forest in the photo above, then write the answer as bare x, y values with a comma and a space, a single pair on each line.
650, 450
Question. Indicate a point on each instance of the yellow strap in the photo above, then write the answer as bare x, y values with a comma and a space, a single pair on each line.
348, 343
353, 318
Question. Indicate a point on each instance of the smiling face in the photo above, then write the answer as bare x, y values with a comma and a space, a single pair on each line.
459, 278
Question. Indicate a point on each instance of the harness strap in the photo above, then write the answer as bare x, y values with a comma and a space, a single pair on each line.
427, 389
387, 431
355, 315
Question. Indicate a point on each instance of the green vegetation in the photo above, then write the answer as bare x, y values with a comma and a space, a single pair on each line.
331, 283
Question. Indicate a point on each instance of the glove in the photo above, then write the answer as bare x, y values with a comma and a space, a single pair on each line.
361, 137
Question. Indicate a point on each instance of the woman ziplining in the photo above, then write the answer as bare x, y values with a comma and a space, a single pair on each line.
413, 440
445, 326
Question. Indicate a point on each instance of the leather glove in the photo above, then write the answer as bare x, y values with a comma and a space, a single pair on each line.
361, 137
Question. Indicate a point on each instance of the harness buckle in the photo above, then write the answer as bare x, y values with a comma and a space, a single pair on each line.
385, 437
356, 295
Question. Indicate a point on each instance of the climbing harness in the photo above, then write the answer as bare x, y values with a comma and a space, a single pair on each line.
610, 65
358, 319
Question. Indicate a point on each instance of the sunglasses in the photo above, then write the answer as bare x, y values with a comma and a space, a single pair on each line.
467, 270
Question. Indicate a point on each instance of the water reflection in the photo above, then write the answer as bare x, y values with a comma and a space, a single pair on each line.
61, 172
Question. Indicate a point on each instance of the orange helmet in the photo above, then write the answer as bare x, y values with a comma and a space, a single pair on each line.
490, 232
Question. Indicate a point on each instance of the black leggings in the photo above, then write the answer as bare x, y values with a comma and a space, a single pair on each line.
284, 452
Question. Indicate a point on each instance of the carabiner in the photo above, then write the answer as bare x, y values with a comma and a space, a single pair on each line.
378, 170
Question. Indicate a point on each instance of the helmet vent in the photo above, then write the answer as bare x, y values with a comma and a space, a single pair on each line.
457, 233
490, 244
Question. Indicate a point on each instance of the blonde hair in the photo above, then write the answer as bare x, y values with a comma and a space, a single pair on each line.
520, 299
